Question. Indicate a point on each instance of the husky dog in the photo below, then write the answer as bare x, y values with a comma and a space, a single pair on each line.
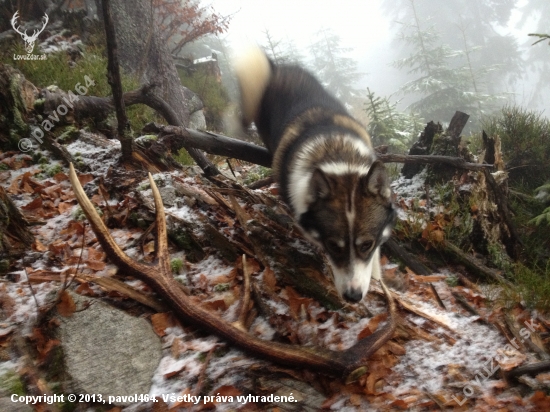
325, 165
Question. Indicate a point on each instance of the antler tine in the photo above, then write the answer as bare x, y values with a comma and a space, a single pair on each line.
111, 248
14, 21
162, 243
36, 32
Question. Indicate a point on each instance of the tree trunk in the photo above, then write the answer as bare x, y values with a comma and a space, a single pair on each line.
143, 52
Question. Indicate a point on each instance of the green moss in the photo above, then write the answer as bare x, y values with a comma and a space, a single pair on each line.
222, 287
260, 173
53, 170
3, 166
184, 158
11, 382
531, 287
4, 263
176, 265
185, 241
211, 92
55, 70
452, 280
68, 133
79, 215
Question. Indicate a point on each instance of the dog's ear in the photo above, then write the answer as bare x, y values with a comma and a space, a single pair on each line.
319, 187
376, 182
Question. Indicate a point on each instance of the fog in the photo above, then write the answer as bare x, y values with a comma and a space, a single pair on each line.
373, 32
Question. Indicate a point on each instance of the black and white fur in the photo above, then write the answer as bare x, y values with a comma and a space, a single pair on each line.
325, 165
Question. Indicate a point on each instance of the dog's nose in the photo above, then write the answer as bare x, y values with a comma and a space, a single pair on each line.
353, 295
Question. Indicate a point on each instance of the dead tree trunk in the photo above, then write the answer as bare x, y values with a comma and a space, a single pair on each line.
143, 52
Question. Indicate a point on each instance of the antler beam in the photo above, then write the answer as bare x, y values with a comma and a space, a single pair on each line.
159, 277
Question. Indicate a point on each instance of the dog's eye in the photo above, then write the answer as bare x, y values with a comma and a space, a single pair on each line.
365, 247
334, 246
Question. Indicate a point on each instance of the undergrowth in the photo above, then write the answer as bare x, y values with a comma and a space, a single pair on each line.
210, 90
59, 70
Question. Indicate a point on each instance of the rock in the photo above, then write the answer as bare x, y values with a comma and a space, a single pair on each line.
107, 351
7, 405
197, 120
193, 101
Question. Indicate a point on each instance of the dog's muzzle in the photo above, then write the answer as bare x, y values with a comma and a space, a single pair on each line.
353, 295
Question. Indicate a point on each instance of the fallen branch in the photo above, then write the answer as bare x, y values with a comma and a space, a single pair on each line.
217, 144
473, 264
226, 146
406, 258
457, 162
159, 277
531, 370
100, 107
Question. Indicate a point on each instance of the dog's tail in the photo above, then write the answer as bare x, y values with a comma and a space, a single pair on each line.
253, 71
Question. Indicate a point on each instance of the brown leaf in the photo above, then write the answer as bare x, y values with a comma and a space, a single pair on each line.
269, 280
64, 206
94, 254
160, 322
95, 265
227, 390
85, 289
85, 178
66, 305
60, 177
34, 204
38, 246
541, 401
355, 399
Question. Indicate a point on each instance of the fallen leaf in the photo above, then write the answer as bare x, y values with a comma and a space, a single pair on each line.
269, 280
66, 305
227, 390
85, 178
160, 322
95, 265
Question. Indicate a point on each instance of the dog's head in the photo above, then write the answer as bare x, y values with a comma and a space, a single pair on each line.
350, 214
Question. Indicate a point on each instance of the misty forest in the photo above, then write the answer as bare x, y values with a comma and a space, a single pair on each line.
148, 263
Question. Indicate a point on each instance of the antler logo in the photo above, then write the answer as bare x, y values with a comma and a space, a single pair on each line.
29, 40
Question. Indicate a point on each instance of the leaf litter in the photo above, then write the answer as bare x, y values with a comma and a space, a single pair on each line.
437, 358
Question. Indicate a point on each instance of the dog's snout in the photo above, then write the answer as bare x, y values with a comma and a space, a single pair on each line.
353, 295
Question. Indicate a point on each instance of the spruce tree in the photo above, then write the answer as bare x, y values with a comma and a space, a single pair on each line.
334, 69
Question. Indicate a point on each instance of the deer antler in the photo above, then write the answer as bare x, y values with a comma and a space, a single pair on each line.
159, 277
36, 33
14, 21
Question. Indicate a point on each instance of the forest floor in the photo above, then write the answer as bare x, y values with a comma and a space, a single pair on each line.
442, 355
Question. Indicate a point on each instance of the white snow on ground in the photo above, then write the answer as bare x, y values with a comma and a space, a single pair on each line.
410, 188
424, 364
98, 158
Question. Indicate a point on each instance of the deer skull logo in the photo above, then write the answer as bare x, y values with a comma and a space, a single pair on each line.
29, 40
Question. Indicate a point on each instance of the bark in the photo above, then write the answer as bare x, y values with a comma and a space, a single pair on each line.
446, 144
113, 76
421, 147
531, 370
15, 237
399, 253
143, 52
473, 264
